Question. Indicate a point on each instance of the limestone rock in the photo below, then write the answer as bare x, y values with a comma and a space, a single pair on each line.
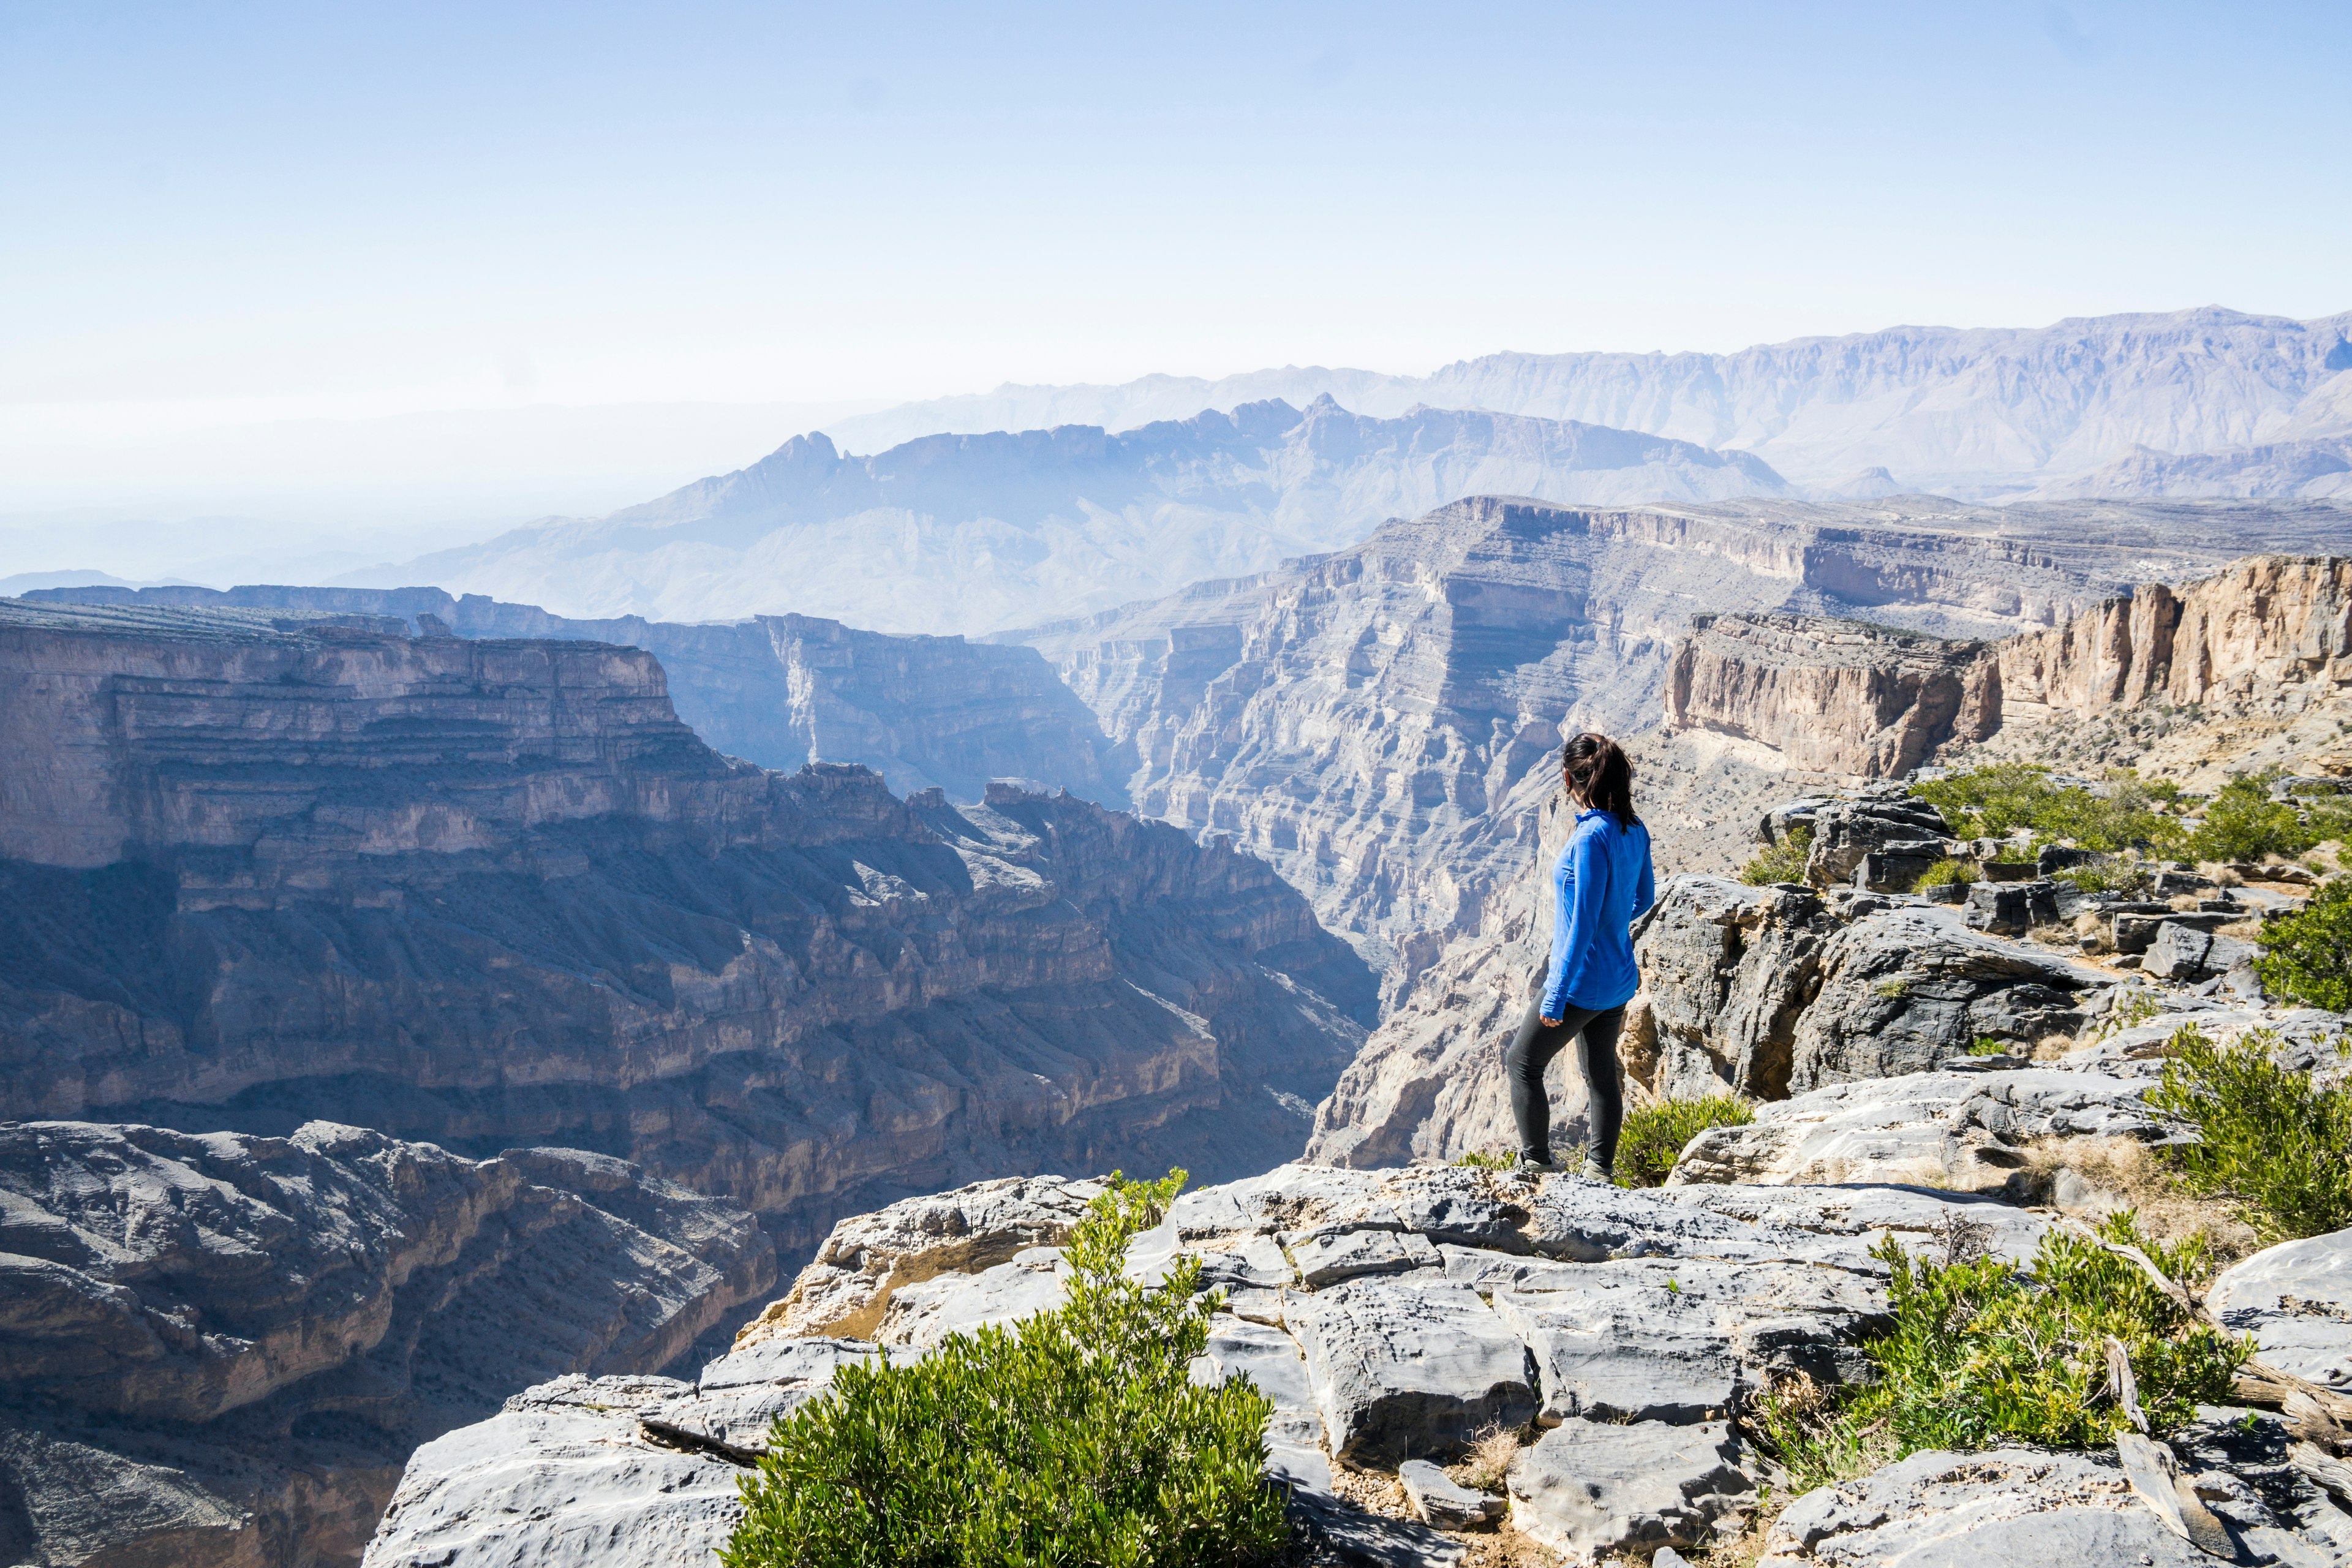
2295, 1299
1437, 1498
846, 1287
2008, 1507
174, 1307
1409, 1370
1329, 1258
1591, 1488
1909, 989
921, 1315
1885, 820
1965, 1131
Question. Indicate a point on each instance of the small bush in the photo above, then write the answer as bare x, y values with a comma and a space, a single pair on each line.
1946, 873
2243, 823
1782, 862
1072, 1438
2124, 878
1655, 1135
1989, 1046
1980, 1354
2266, 1134
2307, 956
1487, 1160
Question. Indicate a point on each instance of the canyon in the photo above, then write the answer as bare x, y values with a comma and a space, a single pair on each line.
264, 869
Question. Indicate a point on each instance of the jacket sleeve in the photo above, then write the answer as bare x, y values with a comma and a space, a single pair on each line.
1645, 888
1578, 916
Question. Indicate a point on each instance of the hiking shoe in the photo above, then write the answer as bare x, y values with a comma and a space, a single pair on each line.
1529, 1165
1593, 1171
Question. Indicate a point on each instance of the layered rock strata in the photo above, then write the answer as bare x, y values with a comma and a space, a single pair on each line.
220, 1349
260, 868
925, 712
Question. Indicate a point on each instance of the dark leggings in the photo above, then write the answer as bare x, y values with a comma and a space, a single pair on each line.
1532, 1049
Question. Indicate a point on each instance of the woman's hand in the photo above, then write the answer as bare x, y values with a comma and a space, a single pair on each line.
1555, 1023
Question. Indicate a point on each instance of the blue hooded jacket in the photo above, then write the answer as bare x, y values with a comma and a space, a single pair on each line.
1601, 882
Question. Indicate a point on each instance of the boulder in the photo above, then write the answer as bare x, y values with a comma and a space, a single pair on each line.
2008, 1507
2183, 952
1880, 821
1963, 1130
846, 1288
2010, 908
2295, 1299
1911, 988
921, 1315
1407, 1369
2136, 930
1727, 970
1895, 870
1437, 1498
1591, 1489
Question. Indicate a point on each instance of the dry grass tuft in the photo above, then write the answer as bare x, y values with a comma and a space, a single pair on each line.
1489, 1459
2050, 1047
2141, 1181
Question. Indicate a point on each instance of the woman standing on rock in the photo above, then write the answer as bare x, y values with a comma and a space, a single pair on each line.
1601, 883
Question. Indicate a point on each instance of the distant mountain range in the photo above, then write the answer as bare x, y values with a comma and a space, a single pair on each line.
1977, 413
977, 533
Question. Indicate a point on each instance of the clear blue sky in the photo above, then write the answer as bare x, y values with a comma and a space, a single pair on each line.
330, 208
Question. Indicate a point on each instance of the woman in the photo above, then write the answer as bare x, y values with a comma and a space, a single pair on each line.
1601, 883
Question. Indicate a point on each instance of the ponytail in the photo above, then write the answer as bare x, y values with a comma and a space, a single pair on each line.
1597, 771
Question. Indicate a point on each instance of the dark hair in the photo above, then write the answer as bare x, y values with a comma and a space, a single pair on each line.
1596, 769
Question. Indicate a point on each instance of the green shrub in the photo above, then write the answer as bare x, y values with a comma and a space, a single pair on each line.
2127, 878
2243, 823
1998, 800
1074, 1436
1989, 1046
2307, 956
1980, 1354
1946, 873
1654, 1136
1487, 1160
2266, 1134
1782, 862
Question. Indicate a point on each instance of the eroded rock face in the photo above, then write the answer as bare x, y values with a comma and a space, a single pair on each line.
1842, 697
1591, 1487
485, 893
174, 1309
1886, 822
1727, 971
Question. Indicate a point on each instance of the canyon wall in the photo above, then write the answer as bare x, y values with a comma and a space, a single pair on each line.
779, 691
2180, 678
257, 868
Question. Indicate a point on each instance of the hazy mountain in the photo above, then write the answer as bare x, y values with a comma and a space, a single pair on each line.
1974, 413
2302, 468
979, 531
